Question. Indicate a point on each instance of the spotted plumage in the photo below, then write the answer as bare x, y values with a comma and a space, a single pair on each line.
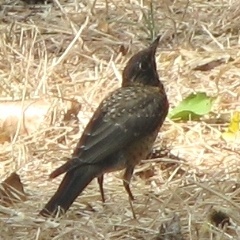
120, 133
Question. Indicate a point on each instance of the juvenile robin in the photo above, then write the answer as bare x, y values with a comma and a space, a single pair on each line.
119, 135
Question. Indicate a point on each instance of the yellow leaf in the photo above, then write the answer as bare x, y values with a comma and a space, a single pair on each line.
234, 125
233, 131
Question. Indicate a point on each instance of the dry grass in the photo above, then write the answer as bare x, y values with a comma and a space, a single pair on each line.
72, 50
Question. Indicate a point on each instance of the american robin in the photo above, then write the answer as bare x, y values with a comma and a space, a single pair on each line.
119, 135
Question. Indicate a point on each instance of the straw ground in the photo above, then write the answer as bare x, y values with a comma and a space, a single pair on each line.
77, 50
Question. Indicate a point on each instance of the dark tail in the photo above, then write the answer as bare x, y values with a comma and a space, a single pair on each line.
71, 186
69, 165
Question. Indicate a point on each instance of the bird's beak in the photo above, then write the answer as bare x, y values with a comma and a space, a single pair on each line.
154, 45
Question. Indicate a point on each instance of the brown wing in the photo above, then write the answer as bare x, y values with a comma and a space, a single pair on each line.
127, 114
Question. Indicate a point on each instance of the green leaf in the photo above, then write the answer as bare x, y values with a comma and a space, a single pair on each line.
192, 107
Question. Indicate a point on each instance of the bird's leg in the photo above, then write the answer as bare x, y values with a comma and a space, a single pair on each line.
100, 183
126, 181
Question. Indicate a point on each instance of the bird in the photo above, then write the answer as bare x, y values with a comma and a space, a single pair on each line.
119, 135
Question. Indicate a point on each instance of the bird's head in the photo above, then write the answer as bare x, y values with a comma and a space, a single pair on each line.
141, 68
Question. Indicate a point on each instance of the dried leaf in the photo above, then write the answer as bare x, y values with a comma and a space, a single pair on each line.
209, 65
11, 190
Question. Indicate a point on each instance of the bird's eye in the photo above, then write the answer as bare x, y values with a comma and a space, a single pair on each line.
143, 66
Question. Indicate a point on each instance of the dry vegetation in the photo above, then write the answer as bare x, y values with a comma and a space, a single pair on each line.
77, 50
